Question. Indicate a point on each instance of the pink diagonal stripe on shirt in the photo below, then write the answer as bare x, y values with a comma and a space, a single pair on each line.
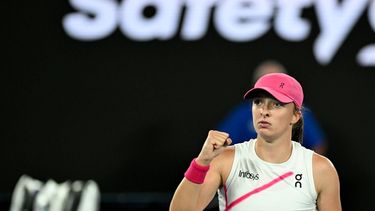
257, 190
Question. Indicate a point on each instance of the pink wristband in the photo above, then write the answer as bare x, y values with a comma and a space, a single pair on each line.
196, 173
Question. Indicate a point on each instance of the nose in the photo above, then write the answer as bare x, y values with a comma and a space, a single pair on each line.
264, 111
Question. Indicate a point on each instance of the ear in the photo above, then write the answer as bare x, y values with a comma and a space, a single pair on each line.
296, 116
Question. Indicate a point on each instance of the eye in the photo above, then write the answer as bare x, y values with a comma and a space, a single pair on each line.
257, 101
277, 104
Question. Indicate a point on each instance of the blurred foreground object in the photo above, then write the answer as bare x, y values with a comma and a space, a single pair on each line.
33, 195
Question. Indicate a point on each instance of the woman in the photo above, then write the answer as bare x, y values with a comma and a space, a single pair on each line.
271, 172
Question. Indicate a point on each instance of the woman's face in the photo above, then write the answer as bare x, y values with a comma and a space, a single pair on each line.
273, 119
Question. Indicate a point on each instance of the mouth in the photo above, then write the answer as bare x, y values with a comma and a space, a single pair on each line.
264, 124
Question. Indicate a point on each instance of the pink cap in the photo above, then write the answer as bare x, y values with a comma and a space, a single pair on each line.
283, 87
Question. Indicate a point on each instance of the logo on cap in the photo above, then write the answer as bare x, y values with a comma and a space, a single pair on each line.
282, 85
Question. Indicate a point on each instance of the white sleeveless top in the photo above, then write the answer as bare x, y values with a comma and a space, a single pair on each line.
256, 185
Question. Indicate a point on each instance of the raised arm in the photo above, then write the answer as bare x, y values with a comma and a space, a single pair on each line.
327, 184
192, 194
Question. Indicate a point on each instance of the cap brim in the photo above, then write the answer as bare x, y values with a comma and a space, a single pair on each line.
279, 96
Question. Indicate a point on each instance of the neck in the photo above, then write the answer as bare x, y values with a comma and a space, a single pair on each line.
273, 152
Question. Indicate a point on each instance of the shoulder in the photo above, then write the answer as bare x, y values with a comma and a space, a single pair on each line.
325, 174
322, 164
225, 159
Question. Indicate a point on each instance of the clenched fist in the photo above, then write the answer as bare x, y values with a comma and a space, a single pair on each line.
215, 144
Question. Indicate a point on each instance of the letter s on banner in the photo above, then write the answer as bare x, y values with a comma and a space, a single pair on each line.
80, 26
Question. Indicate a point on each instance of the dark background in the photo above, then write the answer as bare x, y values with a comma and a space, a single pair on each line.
131, 115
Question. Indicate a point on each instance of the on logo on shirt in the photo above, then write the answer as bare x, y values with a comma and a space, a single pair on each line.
298, 183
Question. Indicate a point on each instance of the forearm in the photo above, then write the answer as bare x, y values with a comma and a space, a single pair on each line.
186, 196
201, 181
